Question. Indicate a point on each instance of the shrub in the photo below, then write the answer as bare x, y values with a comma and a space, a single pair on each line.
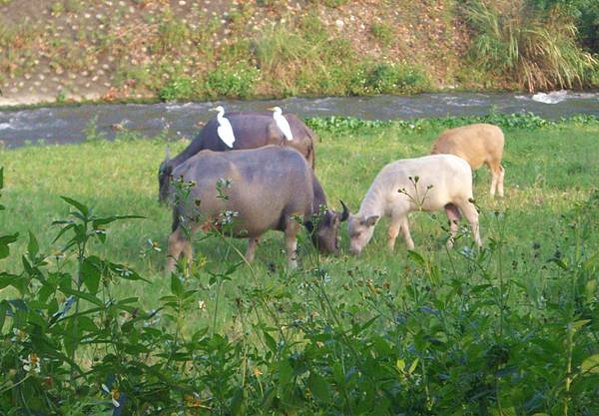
330, 3
537, 49
57, 7
172, 34
584, 12
280, 52
91, 132
387, 78
73, 6
232, 81
178, 87
306, 60
383, 33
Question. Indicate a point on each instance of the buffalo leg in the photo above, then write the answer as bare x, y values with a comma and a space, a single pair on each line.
251, 251
454, 216
177, 244
291, 230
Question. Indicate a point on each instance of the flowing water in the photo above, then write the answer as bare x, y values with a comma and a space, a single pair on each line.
67, 124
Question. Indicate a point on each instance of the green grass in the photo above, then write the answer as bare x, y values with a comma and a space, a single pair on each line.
485, 305
547, 172
383, 33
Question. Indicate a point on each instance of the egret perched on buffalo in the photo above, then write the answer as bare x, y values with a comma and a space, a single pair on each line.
225, 131
282, 122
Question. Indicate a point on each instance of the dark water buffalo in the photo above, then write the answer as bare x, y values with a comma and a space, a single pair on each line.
248, 192
251, 130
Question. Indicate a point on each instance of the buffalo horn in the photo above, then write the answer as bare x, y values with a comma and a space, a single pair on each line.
345, 214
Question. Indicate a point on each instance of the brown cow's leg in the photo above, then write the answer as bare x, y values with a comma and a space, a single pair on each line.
251, 251
454, 216
291, 230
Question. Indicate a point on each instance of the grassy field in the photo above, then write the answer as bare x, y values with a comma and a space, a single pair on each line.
509, 330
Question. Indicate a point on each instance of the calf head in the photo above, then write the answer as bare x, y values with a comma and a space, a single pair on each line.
360, 230
325, 233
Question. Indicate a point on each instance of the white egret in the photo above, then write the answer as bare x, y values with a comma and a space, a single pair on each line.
282, 122
224, 130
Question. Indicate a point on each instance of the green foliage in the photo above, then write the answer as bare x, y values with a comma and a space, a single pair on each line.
330, 3
172, 35
234, 82
5, 240
523, 121
390, 79
57, 7
73, 6
538, 49
61, 97
383, 33
91, 132
306, 60
584, 12
178, 87
15, 39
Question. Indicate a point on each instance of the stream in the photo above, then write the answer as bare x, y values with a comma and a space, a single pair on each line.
66, 124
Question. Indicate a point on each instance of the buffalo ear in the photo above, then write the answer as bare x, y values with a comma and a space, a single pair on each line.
309, 226
370, 221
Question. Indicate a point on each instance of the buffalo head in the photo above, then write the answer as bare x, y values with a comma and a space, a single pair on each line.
325, 229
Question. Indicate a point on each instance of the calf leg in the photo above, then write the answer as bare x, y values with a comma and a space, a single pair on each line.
496, 171
500, 183
405, 229
469, 211
454, 216
252, 244
393, 232
291, 230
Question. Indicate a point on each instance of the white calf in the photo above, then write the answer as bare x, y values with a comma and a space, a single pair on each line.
427, 183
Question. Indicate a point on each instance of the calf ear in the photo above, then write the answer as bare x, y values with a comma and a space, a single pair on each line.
370, 221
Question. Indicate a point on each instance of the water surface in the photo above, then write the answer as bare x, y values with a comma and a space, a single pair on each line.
67, 124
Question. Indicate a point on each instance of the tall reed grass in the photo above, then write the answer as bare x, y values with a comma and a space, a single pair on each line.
536, 47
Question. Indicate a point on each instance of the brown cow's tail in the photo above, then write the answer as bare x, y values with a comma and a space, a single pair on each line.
311, 152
